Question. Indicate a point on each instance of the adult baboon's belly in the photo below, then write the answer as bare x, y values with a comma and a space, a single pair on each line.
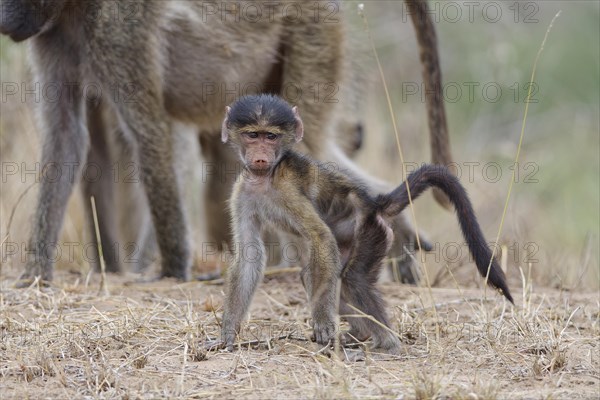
209, 62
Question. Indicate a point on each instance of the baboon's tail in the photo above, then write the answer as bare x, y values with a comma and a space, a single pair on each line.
432, 78
440, 177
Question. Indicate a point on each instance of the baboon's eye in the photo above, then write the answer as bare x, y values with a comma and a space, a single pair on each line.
271, 136
252, 135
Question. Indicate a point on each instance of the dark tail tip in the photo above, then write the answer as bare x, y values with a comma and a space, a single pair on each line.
497, 279
504, 290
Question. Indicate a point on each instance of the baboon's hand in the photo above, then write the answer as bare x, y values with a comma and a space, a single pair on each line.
324, 330
228, 338
229, 332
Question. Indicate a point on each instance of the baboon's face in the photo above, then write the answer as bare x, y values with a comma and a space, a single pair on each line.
260, 151
22, 19
262, 128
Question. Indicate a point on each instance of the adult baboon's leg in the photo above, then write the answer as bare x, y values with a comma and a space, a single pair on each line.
65, 142
99, 183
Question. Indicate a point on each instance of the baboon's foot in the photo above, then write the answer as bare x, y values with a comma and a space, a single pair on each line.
353, 338
390, 345
34, 273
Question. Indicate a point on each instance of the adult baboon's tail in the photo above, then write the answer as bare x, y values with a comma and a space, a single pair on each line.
432, 78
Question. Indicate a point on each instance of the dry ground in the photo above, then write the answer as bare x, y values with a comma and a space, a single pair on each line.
147, 341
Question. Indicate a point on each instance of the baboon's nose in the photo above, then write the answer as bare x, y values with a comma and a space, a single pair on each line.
260, 164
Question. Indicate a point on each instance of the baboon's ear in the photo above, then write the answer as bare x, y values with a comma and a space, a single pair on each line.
299, 125
224, 129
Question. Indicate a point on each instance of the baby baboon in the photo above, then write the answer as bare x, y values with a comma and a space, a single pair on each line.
346, 229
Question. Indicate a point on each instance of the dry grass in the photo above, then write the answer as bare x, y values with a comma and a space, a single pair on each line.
148, 340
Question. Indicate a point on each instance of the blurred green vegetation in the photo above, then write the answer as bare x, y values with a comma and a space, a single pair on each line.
562, 136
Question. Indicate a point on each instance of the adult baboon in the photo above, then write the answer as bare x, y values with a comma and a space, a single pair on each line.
155, 62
